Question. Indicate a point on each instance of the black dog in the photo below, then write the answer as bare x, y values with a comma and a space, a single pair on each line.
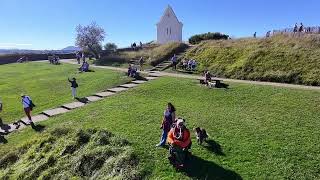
201, 135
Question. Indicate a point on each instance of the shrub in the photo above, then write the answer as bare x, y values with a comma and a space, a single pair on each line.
195, 39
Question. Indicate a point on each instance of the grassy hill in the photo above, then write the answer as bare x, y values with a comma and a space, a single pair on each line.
153, 54
256, 132
280, 58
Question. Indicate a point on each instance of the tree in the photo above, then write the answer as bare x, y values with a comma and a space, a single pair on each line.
90, 37
110, 46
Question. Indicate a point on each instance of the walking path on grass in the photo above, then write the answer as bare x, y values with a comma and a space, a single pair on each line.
46, 114
294, 86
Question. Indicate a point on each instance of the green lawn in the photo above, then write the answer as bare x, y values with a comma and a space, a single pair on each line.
256, 132
48, 86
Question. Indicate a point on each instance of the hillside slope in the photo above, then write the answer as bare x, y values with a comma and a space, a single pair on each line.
280, 58
152, 54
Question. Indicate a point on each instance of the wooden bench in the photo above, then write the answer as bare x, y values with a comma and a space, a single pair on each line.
217, 81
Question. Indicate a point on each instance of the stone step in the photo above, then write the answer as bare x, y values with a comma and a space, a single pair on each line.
151, 78
56, 111
131, 85
36, 118
155, 74
94, 98
73, 105
105, 94
139, 82
117, 89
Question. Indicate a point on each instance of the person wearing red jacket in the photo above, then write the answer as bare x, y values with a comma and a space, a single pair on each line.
180, 141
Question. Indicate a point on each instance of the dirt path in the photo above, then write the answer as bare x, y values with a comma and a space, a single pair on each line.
179, 75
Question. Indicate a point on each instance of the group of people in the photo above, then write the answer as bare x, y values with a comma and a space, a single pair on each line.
23, 59
80, 56
298, 29
177, 135
189, 65
132, 71
134, 46
28, 104
54, 59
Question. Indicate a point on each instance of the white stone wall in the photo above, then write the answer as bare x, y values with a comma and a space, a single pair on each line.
169, 29
169, 32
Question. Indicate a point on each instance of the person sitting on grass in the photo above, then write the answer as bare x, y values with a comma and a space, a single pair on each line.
184, 64
132, 71
193, 65
84, 67
189, 65
180, 142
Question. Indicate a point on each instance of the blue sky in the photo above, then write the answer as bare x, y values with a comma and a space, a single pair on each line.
50, 24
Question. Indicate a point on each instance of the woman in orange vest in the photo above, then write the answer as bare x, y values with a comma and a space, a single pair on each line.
179, 141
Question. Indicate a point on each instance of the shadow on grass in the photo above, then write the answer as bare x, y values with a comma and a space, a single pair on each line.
198, 168
38, 127
4, 127
83, 100
214, 147
2, 139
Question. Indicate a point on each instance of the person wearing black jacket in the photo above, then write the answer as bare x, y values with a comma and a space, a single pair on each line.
74, 85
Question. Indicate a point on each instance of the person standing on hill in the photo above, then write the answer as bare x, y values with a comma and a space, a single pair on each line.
295, 29
74, 86
301, 28
27, 107
141, 61
255, 35
83, 57
174, 61
78, 57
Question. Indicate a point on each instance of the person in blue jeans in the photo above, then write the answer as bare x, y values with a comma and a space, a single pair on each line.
168, 119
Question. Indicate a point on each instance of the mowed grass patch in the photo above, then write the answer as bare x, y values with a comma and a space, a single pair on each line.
256, 132
48, 85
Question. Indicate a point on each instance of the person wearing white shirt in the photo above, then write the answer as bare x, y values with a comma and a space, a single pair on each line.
26, 103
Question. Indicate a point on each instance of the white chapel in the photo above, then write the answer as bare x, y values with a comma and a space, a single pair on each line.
169, 28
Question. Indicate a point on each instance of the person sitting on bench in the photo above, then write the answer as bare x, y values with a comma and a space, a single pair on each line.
180, 142
207, 77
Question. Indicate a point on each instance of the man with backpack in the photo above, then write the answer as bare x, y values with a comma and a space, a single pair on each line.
27, 107
74, 85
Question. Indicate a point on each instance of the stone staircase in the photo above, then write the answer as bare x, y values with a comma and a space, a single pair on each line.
162, 66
